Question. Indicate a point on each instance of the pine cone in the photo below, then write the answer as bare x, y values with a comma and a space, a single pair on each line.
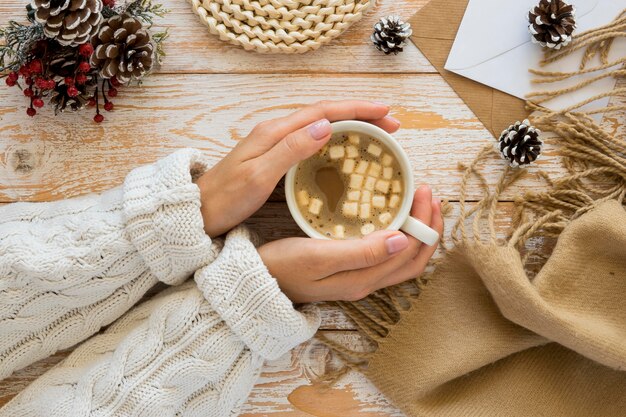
64, 64
390, 34
122, 49
520, 144
69, 22
552, 23
62, 101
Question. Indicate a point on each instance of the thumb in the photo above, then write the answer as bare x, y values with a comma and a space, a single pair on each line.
297, 146
374, 249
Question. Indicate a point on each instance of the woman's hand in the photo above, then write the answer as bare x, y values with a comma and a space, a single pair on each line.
310, 270
238, 185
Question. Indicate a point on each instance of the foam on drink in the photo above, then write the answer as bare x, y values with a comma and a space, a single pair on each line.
350, 188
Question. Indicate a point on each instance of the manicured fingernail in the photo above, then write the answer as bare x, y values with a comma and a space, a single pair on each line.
319, 130
378, 103
424, 187
437, 201
393, 120
396, 243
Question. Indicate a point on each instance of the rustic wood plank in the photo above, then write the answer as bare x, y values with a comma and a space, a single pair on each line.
49, 158
192, 49
284, 388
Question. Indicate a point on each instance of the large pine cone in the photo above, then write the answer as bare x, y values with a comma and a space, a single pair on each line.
552, 23
69, 22
122, 49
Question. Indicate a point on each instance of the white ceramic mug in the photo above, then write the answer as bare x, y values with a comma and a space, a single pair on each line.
402, 221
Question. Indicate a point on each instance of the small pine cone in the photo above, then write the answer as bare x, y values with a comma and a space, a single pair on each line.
520, 144
63, 64
63, 101
552, 23
390, 34
122, 49
69, 22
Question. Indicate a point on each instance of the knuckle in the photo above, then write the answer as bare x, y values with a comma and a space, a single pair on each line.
370, 256
262, 129
292, 145
321, 104
321, 108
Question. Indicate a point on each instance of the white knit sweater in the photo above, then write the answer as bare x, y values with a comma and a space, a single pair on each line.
69, 268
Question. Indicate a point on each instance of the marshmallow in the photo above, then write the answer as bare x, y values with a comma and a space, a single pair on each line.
336, 152
315, 206
348, 166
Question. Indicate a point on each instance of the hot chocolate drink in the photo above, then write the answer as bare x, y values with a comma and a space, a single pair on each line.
350, 188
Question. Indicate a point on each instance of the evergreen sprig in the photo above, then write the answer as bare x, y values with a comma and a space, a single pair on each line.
18, 40
146, 11
143, 10
158, 38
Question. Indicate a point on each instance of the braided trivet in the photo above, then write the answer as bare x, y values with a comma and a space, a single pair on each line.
279, 26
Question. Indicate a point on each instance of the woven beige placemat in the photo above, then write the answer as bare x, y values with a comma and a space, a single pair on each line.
279, 26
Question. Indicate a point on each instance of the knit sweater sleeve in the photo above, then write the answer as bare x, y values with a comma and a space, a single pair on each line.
67, 268
194, 350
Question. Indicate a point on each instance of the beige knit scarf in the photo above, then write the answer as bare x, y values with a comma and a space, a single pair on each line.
486, 336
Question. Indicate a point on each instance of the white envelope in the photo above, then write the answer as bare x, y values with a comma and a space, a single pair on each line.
493, 46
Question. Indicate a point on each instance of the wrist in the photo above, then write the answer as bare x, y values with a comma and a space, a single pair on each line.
204, 185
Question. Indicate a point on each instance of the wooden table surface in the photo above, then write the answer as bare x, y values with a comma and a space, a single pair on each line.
208, 95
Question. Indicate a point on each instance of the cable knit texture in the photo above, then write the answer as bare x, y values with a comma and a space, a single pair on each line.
68, 268
238, 287
194, 350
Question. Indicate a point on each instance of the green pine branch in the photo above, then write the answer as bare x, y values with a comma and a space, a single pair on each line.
17, 43
158, 41
143, 10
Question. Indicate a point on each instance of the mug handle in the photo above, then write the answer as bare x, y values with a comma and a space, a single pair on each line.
420, 231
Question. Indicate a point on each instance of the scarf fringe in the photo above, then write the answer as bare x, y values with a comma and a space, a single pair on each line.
595, 162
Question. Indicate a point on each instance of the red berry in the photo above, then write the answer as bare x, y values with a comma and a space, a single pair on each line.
31, 112
72, 91
41, 83
13, 76
92, 102
81, 79
109, 3
38, 102
51, 84
115, 82
28, 81
10, 82
84, 66
112, 92
69, 81
85, 49
28, 92
35, 66
98, 118
24, 71
108, 106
